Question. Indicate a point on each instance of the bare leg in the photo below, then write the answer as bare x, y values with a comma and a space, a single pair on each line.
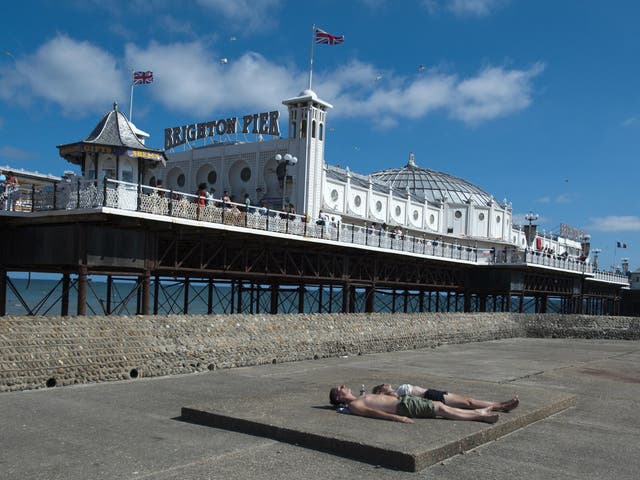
459, 401
452, 413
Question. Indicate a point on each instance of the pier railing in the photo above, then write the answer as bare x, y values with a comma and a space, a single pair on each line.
89, 194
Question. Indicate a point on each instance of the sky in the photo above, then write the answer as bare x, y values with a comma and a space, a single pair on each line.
535, 102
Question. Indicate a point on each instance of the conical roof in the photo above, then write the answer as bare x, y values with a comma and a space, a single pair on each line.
113, 134
115, 130
432, 185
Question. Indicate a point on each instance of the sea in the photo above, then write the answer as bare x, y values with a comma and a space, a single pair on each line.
42, 296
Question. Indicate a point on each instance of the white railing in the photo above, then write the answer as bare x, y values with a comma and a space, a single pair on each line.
86, 194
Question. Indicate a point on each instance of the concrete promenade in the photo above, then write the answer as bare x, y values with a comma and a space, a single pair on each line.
133, 430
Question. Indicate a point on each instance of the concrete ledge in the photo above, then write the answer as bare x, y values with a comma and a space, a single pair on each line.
293, 418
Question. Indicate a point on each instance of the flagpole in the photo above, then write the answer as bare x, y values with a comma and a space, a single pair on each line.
615, 251
131, 99
313, 31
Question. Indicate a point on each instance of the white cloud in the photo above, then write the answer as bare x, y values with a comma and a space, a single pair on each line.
495, 92
546, 199
250, 14
82, 78
616, 223
477, 8
189, 78
627, 122
75, 75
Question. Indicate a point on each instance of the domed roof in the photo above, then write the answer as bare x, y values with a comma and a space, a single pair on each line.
431, 185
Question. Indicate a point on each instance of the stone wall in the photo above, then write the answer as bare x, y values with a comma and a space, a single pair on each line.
52, 351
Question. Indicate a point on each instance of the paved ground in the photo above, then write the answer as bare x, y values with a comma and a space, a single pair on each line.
132, 430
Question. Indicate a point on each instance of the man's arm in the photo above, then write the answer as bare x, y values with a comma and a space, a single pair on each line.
365, 411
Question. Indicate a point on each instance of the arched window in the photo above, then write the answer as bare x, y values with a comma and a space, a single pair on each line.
313, 129
320, 131
292, 132
303, 129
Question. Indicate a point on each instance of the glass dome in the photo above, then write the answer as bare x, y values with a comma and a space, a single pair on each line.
431, 185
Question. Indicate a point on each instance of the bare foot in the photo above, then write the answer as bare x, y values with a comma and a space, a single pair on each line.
486, 415
508, 405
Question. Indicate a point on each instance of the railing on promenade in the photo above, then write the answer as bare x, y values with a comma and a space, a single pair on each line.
87, 194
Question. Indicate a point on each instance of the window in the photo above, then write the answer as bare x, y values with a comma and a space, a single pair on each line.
398, 211
334, 195
180, 181
212, 177
416, 214
313, 129
458, 214
378, 206
481, 216
245, 174
152, 181
321, 131
357, 201
432, 219
498, 219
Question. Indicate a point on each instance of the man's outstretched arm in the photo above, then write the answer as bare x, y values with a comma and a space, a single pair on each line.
365, 411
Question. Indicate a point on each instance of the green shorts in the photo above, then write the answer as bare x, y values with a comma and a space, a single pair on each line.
415, 407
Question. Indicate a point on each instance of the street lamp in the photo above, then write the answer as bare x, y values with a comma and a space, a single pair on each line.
531, 217
285, 160
596, 252
530, 231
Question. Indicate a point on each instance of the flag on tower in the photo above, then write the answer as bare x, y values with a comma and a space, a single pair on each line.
621, 245
142, 78
327, 38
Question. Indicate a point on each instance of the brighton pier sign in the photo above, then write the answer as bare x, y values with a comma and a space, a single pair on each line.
265, 123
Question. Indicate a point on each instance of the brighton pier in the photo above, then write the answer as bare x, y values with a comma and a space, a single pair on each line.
399, 240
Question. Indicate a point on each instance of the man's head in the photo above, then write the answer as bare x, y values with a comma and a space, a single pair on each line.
383, 389
338, 395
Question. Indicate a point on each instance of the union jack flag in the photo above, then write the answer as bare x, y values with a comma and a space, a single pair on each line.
140, 78
324, 37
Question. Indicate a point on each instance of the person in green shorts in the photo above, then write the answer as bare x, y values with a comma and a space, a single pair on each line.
405, 408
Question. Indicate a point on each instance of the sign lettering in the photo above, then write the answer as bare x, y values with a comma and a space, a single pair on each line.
265, 123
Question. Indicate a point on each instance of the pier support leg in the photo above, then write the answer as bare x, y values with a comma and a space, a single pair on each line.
156, 294
274, 298
109, 288
239, 302
467, 301
370, 300
346, 297
146, 292
64, 299
185, 303
405, 307
210, 296
3, 292
301, 292
82, 290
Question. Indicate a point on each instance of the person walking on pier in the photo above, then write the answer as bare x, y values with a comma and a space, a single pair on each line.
449, 399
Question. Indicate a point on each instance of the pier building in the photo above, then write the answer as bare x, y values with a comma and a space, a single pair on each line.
268, 226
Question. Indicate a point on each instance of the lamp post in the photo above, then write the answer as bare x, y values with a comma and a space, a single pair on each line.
531, 231
285, 160
596, 252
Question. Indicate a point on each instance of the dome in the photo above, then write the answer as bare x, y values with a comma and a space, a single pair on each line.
431, 185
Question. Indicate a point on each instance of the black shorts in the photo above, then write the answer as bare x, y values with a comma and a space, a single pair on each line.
435, 395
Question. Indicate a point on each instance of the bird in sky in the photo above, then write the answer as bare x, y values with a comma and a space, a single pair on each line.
420, 68
224, 61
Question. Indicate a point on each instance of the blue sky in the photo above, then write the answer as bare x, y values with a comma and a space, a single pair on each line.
534, 101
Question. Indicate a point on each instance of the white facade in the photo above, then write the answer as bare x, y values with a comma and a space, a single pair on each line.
310, 185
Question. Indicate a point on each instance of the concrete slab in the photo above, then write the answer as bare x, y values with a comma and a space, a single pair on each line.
282, 408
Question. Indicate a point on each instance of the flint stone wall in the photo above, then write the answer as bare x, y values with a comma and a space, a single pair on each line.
36, 352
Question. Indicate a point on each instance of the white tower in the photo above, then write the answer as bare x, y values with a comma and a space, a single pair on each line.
307, 131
